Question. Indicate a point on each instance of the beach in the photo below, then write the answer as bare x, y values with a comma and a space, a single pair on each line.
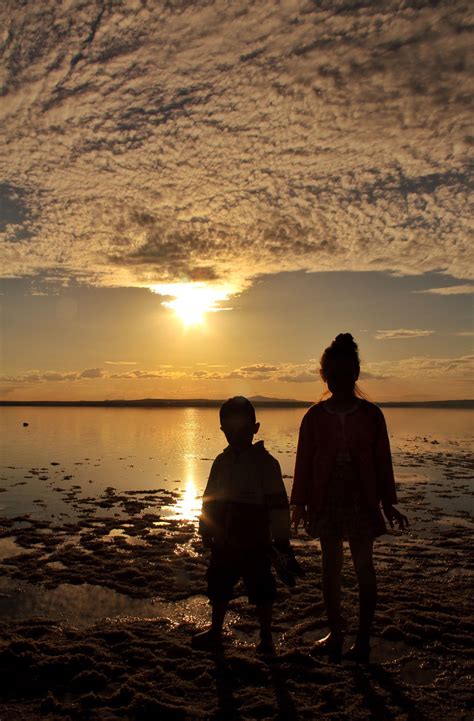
210, 201
99, 603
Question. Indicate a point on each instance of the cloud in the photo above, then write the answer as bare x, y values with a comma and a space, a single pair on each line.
286, 372
219, 141
36, 377
52, 376
92, 373
148, 375
121, 363
366, 375
32, 377
259, 368
446, 370
423, 367
302, 377
402, 333
450, 290
5, 390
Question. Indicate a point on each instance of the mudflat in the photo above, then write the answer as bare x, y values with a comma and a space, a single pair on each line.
97, 612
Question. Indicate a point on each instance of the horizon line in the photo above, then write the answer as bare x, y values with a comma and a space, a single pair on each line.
214, 402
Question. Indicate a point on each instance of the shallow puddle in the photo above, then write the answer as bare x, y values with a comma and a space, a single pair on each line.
121, 533
10, 548
84, 604
384, 651
417, 673
455, 521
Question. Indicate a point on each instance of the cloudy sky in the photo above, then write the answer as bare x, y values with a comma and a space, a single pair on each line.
196, 196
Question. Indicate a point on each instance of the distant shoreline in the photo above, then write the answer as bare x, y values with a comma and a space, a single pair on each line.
467, 404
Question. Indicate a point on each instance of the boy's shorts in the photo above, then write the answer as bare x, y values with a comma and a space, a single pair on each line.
227, 566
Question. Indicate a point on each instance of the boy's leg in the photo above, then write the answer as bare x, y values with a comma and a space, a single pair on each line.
219, 610
221, 579
212, 638
361, 551
261, 589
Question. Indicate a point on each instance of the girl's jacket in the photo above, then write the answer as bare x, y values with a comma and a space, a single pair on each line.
364, 436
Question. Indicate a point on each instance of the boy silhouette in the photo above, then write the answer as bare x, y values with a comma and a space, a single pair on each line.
245, 508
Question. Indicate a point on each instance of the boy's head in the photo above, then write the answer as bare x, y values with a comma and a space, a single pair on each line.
238, 422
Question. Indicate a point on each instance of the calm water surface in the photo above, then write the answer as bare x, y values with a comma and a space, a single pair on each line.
135, 448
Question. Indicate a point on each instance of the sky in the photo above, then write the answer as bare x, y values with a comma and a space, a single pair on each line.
197, 197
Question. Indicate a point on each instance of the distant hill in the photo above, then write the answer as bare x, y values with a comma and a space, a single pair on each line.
260, 401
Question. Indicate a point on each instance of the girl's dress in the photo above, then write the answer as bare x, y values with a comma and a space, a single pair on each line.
345, 513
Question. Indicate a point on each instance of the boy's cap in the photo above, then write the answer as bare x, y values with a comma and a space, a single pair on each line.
237, 406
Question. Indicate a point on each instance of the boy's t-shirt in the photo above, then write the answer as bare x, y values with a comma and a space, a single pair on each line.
245, 504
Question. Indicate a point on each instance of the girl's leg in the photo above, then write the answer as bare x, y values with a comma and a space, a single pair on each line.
361, 551
264, 613
332, 560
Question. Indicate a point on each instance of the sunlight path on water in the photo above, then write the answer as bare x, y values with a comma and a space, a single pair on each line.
188, 506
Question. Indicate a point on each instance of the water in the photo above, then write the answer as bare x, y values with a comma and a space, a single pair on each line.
170, 448
85, 451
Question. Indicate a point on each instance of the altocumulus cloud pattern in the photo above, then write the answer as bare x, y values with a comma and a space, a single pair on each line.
200, 140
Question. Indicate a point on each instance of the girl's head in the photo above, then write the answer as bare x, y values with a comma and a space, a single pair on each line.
340, 365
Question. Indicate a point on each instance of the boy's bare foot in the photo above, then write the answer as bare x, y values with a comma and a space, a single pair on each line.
266, 648
330, 646
209, 640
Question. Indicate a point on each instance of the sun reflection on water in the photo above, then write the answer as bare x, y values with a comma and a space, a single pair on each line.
188, 506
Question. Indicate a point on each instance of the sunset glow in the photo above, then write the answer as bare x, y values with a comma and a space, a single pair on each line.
173, 164
191, 301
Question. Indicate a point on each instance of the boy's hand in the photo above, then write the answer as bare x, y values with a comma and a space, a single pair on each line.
285, 563
392, 514
298, 515
206, 541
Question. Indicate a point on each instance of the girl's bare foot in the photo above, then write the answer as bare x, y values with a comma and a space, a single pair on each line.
330, 646
359, 652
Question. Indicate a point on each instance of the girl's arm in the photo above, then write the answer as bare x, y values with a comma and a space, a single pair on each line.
303, 471
385, 477
383, 464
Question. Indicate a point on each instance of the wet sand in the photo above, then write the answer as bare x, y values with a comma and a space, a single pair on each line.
98, 609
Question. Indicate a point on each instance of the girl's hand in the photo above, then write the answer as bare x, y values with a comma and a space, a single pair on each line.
392, 514
298, 515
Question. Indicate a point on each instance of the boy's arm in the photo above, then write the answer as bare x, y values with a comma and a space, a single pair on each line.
283, 558
276, 501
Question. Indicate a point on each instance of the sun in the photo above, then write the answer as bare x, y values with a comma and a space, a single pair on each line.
191, 301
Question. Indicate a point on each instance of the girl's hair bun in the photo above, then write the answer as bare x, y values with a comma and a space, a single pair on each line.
344, 346
344, 342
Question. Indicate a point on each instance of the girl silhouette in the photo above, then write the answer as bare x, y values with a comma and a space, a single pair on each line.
343, 474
